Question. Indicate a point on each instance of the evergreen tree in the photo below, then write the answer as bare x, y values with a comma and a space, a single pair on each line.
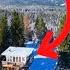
62, 22
64, 59
40, 27
66, 44
3, 32
17, 30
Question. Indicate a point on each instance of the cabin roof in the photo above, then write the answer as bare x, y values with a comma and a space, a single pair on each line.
18, 51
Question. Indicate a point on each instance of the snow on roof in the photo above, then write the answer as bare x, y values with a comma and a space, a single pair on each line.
30, 42
39, 56
62, 4
18, 51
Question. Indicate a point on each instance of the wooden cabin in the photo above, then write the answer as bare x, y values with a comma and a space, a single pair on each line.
16, 58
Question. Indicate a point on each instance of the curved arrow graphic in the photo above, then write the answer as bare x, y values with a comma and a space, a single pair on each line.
48, 49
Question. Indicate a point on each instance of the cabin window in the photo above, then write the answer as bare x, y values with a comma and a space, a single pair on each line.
23, 59
13, 59
8, 59
19, 59
16, 59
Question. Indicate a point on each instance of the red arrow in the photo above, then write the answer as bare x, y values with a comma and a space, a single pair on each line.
48, 49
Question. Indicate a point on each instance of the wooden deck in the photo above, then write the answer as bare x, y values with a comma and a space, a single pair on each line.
10, 66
